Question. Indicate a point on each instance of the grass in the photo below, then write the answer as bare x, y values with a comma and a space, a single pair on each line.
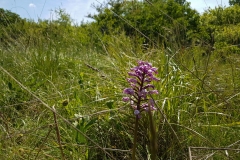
198, 104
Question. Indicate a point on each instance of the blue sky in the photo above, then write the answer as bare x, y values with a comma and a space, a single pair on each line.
78, 9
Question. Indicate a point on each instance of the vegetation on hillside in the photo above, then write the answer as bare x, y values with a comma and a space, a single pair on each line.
62, 83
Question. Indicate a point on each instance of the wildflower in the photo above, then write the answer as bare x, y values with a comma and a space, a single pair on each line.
125, 99
129, 91
136, 112
140, 78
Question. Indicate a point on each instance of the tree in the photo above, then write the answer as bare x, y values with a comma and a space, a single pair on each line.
11, 27
219, 29
156, 21
8, 18
63, 18
181, 2
233, 2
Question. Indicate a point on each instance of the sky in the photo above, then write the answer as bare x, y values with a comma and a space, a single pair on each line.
77, 9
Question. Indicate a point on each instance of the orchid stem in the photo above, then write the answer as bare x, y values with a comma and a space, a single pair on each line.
135, 139
153, 137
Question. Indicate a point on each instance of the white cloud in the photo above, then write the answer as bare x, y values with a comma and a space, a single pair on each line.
31, 5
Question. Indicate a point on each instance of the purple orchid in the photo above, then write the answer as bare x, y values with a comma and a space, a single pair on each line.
138, 95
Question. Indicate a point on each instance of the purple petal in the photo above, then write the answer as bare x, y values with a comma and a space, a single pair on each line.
134, 107
131, 102
155, 79
129, 91
136, 112
153, 92
132, 80
144, 105
132, 74
147, 80
143, 93
148, 86
126, 99
151, 108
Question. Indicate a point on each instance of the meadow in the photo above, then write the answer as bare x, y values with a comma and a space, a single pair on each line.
61, 95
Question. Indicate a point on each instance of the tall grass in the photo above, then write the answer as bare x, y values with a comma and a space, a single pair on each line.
198, 104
